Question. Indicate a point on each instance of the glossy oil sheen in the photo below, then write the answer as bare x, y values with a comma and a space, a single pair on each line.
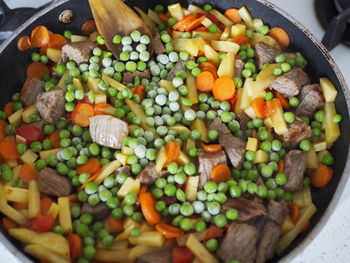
13, 66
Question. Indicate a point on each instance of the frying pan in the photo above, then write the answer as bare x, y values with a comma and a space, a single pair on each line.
12, 68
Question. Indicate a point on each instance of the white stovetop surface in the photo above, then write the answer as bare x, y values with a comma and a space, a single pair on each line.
331, 245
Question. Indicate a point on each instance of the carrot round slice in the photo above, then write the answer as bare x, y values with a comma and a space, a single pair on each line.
88, 27
91, 167
224, 88
24, 43
207, 66
220, 173
233, 15
28, 173
82, 113
40, 36
57, 41
37, 70
321, 176
281, 36
205, 81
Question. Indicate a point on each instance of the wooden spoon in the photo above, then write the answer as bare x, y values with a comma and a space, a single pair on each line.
113, 17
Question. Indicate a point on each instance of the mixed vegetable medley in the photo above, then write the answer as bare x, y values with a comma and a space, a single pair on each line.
198, 143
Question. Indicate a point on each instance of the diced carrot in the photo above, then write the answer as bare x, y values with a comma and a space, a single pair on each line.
202, 29
259, 107
194, 24
2, 130
212, 148
281, 36
37, 70
207, 66
220, 173
280, 166
55, 138
213, 232
88, 27
57, 41
75, 245
169, 231
183, 23
233, 15
91, 167
139, 90
45, 204
8, 109
241, 39
149, 212
114, 225
99, 106
8, 150
269, 109
143, 189
283, 100
305, 227
40, 36
8, 223
42, 223
28, 173
20, 205
321, 176
181, 255
164, 17
82, 113
172, 150
294, 211
224, 88
205, 81
73, 198
24, 43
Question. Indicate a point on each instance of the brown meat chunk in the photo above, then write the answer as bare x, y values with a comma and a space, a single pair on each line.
128, 77
243, 120
265, 54
247, 209
181, 65
51, 183
162, 255
51, 105
123, 169
295, 167
79, 52
99, 211
239, 66
108, 131
31, 90
157, 44
234, 146
206, 163
149, 174
297, 131
268, 241
311, 100
277, 211
289, 84
239, 244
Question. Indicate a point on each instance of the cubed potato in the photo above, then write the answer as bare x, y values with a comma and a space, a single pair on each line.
268, 123
261, 157
176, 11
122, 158
29, 157
65, 218
224, 36
152, 239
195, 9
252, 144
279, 123
182, 159
46, 154
192, 89
27, 112
246, 17
191, 188
100, 98
200, 126
139, 112
15, 194
250, 112
257, 37
207, 36
211, 55
77, 38
257, 24
328, 90
140, 250
62, 83
77, 83
107, 170
54, 210
53, 54
179, 44
16, 118
227, 66
332, 131
112, 82
286, 225
119, 256
243, 98
130, 185
320, 146
311, 157
33, 199
199, 250
238, 29
223, 19
225, 46
161, 159
45, 255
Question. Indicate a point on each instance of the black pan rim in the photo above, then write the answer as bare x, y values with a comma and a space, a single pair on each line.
19, 254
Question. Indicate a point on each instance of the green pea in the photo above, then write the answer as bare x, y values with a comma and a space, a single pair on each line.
186, 209
235, 191
170, 190
250, 155
231, 214
337, 118
185, 224
210, 187
320, 116
305, 145
212, 244
200, 226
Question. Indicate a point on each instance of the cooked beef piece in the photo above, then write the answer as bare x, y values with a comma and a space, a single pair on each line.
247, 209
206, 163
297, 131
79, 52
239, 244
243, 120
51, 105
268, 241
128, 77
99, 212
234, 146
53, 184
239, 65
311, 100
31, 90
295, 167
149, 174
289, 84
181, 65
123, 169
277, 211
108, 131
169, 200
157, 43
265, 54
162, 255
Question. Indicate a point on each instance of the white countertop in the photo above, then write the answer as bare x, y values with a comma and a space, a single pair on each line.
331, 245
